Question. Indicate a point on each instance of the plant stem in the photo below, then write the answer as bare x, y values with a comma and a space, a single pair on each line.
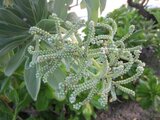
96, 63
15, 114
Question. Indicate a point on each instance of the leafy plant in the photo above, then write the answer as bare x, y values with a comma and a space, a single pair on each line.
147, 32
148, 91
93, 8
14, 25
78, 73
89, 68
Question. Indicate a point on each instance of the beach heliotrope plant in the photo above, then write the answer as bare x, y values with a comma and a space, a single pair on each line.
94, 64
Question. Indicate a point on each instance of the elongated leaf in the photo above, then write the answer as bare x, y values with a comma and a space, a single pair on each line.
146, 102
54, 80
47, 25
31, 10
6, 15
5, 113
15, 22
42, 101
12, 28
69, 2
83, 4
61, 12
24, 102
1, 3
157, 103
13, 96
4, 85
32, 84
72, 17
7, 42
4, 60
93, 9
15, 61
102, 5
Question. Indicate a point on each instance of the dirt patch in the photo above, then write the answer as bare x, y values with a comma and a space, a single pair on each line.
127, 111
148, 56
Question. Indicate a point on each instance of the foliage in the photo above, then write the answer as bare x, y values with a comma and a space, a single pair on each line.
13, 96
55, 5
93, 8
90, 68
14, 25
72, 67
148, 91
147, 33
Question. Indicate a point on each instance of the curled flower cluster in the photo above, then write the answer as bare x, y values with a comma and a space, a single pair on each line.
93, 71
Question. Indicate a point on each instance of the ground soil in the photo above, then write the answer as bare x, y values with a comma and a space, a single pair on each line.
151, 60
127, 111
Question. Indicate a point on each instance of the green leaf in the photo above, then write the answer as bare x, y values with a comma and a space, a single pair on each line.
32, 10
5, 112
142, 90
72, 17
93, 9
44, 97
8, 18
24, 102
60, 8
1, 3
87, 111
5, 116
152, 83
102, 5
83, 4
15, 61
12, 29
54, 80
4, 85
16, 21
49, 92
51, 6
13, 96
4, 60
157, 103
146, 102
158, 89
96, 104
42, 101
69, 2
47, 25
9, 47
32, 84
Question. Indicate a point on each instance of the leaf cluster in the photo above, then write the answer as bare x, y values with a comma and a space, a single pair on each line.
148, 90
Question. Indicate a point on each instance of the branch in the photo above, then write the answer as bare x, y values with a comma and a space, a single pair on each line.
144, 2
74, 5
142, 11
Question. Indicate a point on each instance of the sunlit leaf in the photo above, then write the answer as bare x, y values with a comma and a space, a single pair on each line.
54, 80
93, 9
102, 5
15, 61
32, 84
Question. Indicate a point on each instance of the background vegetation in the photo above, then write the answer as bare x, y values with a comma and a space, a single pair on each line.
17, 16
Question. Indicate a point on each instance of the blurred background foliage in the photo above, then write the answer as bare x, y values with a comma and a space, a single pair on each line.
17, 16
